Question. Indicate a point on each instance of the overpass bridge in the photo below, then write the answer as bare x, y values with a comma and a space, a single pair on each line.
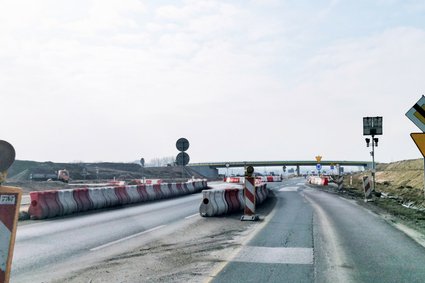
210, 169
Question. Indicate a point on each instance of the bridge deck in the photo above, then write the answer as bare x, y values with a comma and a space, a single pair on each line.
282, 163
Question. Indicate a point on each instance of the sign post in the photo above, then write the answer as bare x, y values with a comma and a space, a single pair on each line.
416, 114
372, 126
318, 165
182, 158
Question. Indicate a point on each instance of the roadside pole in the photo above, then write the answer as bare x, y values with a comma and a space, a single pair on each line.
372, 126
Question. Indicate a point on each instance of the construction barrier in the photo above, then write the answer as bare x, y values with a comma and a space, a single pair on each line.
228, 200
367, 187
52, 203
234, 180
340, 182
320, 181
10, 199
269, 178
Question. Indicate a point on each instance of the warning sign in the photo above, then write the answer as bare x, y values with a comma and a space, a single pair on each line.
10, 199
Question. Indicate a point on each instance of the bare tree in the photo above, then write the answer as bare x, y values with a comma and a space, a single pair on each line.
161, 161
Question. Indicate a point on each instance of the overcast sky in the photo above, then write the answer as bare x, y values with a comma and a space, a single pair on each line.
241, 80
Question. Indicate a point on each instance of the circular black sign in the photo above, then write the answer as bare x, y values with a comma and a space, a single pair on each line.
182, 144
182, 158
249, 170
7, 155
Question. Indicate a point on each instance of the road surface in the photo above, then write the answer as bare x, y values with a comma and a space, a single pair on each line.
46, 249
309, 236
315, 236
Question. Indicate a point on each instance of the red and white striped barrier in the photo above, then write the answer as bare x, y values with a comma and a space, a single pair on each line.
250, 197
47, 204
320, 181
269, 178
152, 181
235, 180
10, 199
367, 187
228, 200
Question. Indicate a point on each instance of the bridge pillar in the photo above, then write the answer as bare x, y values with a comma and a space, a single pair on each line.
298, 170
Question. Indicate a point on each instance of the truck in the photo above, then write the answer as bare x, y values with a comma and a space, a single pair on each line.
61, 175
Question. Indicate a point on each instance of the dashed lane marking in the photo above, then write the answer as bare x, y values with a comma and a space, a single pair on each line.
275, 255
191, 216
126, 238
289, 189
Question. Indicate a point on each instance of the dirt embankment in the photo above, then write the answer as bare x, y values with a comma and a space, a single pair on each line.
402, 186
401, 180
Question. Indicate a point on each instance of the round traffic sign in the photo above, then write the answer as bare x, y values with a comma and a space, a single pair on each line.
249, 170
7, 155
182, 144
227, 165
182, 158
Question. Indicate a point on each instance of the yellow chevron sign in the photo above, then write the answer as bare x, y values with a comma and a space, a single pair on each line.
419, 139
417, 114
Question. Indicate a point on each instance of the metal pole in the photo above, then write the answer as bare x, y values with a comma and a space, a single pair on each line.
373, 164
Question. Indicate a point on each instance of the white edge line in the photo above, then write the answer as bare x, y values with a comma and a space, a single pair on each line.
190, 216
126, 238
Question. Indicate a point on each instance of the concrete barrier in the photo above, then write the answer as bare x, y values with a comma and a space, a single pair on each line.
319, 181
47, 204
228, 200
235, 180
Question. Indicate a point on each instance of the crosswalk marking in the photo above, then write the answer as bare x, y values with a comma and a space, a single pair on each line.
275, 255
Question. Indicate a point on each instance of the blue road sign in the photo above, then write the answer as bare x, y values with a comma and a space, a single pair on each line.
319, 166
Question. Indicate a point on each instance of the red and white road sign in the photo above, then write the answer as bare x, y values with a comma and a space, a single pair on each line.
249, 192
249, 196
10, 200
367, 187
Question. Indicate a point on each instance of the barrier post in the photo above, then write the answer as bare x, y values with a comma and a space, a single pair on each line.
340, 182
367, 189
250, 196
10, 201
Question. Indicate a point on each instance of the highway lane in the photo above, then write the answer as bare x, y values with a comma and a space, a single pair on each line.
314, 236
45, 249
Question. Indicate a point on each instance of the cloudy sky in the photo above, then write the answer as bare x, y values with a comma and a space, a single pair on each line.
119, 80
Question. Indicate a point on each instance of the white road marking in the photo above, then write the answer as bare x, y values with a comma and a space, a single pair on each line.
275, 255
126, 238
289, 189
190, 216
300, 184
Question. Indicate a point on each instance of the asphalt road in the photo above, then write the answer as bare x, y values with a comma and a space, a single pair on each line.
314, 236
45, 249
